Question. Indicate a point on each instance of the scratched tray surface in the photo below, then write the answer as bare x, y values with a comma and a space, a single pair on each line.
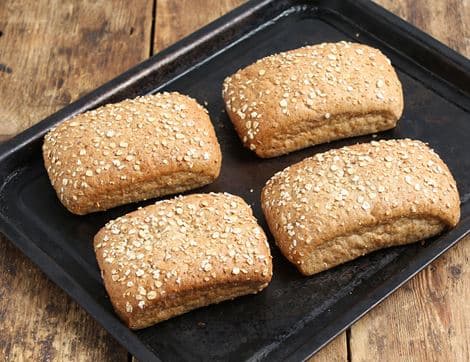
295, 315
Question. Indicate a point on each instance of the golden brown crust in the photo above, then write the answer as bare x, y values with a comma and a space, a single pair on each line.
352, 195
278, 103
130, 151
176, 255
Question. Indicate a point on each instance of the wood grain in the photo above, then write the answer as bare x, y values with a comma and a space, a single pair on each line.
176, 19
425, 320
429, 318
335, 351
445, 20
54, 51
51, 53
38, 322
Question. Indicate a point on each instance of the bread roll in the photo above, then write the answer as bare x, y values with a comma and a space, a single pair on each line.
341, 204
130, 151
312, 95
177, 255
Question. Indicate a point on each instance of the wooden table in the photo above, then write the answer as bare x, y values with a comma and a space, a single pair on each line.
54, 51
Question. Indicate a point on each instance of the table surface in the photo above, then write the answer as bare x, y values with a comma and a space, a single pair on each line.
54, 51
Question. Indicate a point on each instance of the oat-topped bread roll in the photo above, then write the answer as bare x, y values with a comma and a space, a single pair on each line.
341, 204
312, 95
177, 255
130, 151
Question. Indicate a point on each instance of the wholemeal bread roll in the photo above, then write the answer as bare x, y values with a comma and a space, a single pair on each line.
341, 204
130, 151
177, 255
312, 95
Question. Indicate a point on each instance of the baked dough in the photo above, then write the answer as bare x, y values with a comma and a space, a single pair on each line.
341, 204
176, 255
130, 151
312, 95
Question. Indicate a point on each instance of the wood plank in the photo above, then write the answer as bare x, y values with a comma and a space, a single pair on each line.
445, 20
176, 19
428, 319
38, 322
425, 320
335, 351
52, 52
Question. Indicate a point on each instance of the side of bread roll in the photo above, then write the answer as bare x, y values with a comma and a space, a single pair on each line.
177, 255
341, 204
312, 95
130, 151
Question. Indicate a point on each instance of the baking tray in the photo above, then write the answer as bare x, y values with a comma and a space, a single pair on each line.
295, 316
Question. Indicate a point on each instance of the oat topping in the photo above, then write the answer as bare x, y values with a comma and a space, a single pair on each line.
308, 80
186, 242
118, 144
354, 186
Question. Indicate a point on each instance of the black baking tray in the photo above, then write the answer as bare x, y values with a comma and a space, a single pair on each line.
295, 316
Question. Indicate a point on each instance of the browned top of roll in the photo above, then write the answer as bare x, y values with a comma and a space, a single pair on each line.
264, 99
126, 144
337, 192
192, 242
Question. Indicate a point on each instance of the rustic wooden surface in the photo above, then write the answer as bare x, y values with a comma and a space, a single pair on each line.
52, 52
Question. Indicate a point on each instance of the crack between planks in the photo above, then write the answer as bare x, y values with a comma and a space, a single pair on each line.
152, 28
348, 345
